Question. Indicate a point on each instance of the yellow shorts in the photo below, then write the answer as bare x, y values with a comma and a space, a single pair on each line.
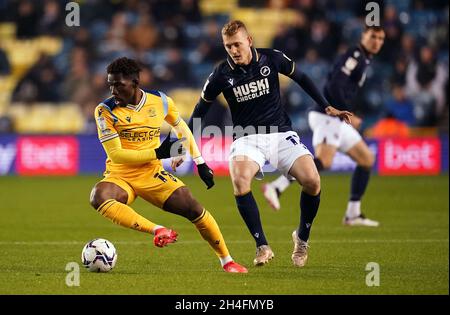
153, 184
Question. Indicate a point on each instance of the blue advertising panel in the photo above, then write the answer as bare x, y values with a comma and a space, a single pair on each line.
444, 153
8, 153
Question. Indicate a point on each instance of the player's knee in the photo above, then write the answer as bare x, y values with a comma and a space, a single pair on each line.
326, 163
195, 210
182, 203
371, 160
368, 161
95, 198
311, 184
241, 183
99, 195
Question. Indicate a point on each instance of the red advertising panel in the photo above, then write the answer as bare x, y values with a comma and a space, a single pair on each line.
47, 156
215, 151
409, 156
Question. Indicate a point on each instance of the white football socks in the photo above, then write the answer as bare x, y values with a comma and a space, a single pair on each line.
281, 183
225, 260
353, 209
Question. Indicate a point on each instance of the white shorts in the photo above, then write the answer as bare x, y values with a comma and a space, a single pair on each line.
280, 149
332, 131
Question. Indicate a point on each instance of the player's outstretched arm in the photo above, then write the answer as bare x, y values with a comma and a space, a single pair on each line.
306, 83
170, 148
205, 173
200, 111
117, 154
181, 128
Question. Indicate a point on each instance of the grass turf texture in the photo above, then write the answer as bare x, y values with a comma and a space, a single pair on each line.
46, 221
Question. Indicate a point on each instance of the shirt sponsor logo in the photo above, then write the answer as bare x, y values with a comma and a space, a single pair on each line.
251, 90
143, 134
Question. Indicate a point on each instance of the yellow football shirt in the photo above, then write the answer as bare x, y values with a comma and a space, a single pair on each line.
137, 126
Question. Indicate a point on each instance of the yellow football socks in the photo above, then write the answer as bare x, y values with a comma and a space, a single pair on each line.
125, 216
210, 232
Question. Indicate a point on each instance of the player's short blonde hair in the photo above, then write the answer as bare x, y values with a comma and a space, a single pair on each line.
232, 27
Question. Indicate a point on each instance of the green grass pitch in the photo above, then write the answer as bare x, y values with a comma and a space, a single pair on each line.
46, 221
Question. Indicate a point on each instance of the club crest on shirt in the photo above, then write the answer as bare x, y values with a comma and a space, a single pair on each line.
151, 112
265, 71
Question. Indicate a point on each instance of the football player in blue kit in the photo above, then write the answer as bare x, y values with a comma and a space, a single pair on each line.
249, 81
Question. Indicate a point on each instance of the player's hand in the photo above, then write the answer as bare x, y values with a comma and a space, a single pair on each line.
342, 114
206, 174
356, 122
177, 161
170, 148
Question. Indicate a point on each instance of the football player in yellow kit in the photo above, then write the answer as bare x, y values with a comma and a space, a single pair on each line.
129, 124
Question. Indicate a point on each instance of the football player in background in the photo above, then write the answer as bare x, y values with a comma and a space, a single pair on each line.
331, 134
129, 124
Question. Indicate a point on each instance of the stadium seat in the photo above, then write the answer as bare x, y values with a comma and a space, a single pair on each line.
7, 31
22, 55
261, 23
185, 99
211, 7
47, 118
69, 118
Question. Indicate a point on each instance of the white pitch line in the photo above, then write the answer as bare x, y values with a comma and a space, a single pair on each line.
355, 241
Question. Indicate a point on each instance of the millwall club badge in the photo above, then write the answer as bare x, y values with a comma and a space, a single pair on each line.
265, 71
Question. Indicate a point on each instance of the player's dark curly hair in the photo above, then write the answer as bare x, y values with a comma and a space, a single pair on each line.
126, 66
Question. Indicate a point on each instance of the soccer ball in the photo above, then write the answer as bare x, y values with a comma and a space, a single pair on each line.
99, 255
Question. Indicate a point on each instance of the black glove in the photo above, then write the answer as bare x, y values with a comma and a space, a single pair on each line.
206, 174
170, 148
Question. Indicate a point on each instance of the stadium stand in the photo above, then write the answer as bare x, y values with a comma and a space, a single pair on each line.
182, 44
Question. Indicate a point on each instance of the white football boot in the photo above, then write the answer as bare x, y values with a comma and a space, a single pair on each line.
263, 254
271, 195
360, 220
300, 253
